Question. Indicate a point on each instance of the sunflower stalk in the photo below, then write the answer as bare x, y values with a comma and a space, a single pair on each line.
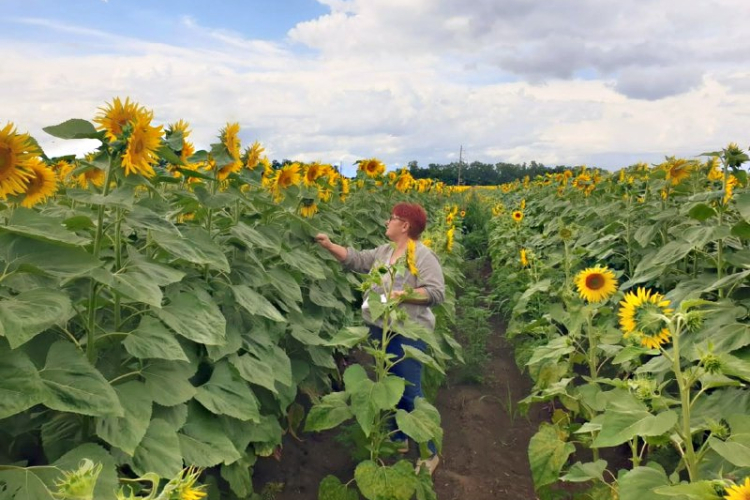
683, 383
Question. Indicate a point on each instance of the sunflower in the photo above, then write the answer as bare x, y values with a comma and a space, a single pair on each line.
93, 176
738, 492
345, 188
677, 170
732, 181
41, 185
463, 213
185, 487
518, 216
231, 140
640, 316
114, 117
252, 155
325, 195
524, 258
427, 242
714, 169
372, 167
15, 151
523, 204
186, 150
312, 173
143, 143
308, 209
596, 284
411, 257
286, 177
404, 181
449, 239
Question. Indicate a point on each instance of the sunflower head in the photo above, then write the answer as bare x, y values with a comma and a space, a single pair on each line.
114, 117
230, 139
678, 170
312, 173
16, 150
308, 208
41, 185
596, 284
372, 167
524, 258
517, 216
143, 143
642, 316
449, 235
411, 257
738, 491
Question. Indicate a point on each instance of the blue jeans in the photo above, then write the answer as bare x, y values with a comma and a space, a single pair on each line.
408, 369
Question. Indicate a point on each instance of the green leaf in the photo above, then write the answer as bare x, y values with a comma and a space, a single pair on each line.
254, 370
133, 285
75, 128
304, 262
741, 230
193, 313
159, 451
121, 197
23, 484
226, 393
167, 154
61, 433
376, 482
349, 336
153, 340
742, 202
368, 397
107, 482
194, 245
331, 488
639, 483
144, 218
252, 238
27, 222
591, 471
547, 455
20, 384
735, 450
126, 432
285, 284
54, 259
702, 212
422, 424
239, 476
331, 411
621, 426
74, 385
698, 490
168, 381
255, 303
30, 313
203, 442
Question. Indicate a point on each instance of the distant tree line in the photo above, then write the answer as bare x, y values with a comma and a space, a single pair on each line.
480, 174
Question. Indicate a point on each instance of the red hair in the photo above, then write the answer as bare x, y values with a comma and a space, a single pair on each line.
414, 214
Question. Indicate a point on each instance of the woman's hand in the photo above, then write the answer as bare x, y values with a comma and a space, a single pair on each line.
323, 240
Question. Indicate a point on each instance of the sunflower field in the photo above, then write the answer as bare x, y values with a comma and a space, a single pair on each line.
166, 311
627, 297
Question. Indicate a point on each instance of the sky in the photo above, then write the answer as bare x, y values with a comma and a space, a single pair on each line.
605, 83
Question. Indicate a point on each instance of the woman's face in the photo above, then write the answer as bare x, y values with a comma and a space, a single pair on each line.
395, 227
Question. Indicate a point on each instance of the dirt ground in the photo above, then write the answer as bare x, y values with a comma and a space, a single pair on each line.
484, 450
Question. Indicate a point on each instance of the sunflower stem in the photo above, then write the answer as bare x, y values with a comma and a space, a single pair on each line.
684, 387
93, 290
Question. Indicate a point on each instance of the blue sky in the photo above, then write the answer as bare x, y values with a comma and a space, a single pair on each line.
603, 83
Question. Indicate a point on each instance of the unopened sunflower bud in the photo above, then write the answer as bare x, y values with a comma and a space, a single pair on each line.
694, 320
79, 484
711, 363
718, 429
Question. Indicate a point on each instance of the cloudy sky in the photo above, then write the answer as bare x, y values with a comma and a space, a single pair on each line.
599, 82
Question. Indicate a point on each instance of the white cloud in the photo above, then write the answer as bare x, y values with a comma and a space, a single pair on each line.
416, 80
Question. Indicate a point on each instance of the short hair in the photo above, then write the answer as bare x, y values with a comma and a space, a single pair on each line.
414, 214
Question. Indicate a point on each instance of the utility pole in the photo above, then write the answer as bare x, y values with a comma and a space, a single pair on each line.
460, 162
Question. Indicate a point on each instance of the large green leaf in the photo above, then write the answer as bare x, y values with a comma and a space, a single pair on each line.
239, 476
168, 381
20, 384
331, 411
735, 450
73, 384
254, 370
145, 218
153, 340
285, 283
697, 490
126, 432
121, 197
194, 245
377, 482
255, 303
203, 442
159, 451
349, 336
331, 488
75, 128
63, 261
226, 393
61, 433
275, 357
27, 222
640, 483
304, 262
422, 424
547, 455
253, 238
107, 482
132, 284
24, 484
368, 397
590, 471
621, 426
30, 313
193, 313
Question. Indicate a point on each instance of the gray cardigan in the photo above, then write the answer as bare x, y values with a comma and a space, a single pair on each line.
430, 279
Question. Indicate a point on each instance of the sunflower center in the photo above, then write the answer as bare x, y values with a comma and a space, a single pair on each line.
6, 160
35, 184
138, 146
595, 281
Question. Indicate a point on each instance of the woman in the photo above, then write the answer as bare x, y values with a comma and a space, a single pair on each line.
406, 224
